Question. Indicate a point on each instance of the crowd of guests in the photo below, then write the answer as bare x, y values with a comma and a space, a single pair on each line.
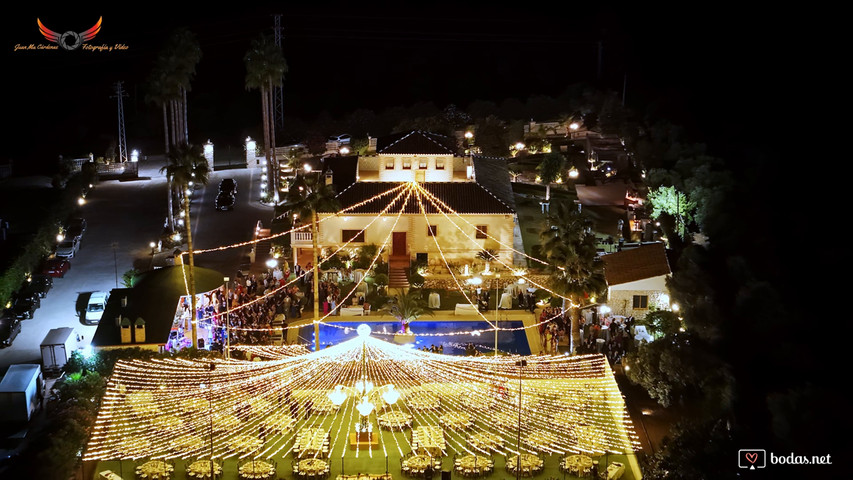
616, 336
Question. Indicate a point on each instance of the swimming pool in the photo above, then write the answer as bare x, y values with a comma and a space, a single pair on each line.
508, 341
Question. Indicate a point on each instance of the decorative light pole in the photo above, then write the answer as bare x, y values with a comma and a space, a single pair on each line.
227, 322
520, 364
210, 368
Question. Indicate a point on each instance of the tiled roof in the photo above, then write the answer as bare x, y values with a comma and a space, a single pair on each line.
416, 142
462, 197
493, 175
639, 263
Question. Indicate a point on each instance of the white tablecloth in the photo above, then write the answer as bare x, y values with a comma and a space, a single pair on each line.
506, 301
465, 309
434, 300
352, 311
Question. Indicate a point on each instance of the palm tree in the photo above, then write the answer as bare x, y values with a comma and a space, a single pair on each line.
408, 307
265, 68
576, 272
308, 195
187, 164
550, 169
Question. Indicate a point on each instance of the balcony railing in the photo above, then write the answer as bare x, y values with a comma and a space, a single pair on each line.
301, 237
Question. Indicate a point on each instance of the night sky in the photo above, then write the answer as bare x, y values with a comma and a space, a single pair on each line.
710, 71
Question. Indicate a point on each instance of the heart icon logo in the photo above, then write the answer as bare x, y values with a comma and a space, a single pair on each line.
752, 457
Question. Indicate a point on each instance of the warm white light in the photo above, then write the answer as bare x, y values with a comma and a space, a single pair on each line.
519, 146
307, 168
573, 172
604, 309
675, 307
363, 386
574, 126
664, 299
391, 395
344, 150
338, 396
469, 135
475, 281
363, 330
87, 352
81, 201
272, 263
152, 244
521, 281
189, 192
134, 156
60, 237
364, 407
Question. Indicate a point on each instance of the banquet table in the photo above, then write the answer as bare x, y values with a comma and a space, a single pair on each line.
485, 441
423, 401
256, 470
465, 309
279, 422
576, 464
312, 466
615, 471
155, 470
395, 420
311, 442
529, 462
456, 421
201, 469
352, 311
544, 440
245, 443
473, 465
323, 405
429, 439
506, 301
417, 464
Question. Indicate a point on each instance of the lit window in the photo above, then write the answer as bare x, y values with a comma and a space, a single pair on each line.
407, 164
482, 231
422, 164
389, 164
432, 230
641, 301
354, 236
439, 164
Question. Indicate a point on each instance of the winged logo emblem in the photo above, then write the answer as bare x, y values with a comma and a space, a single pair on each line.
69, 40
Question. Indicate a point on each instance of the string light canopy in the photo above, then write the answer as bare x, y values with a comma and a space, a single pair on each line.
163, 408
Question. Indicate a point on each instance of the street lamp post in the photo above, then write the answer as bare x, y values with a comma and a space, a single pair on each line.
152, 245
227, 322
115, 260
520, 364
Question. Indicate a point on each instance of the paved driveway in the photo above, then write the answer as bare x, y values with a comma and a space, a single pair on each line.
130, 215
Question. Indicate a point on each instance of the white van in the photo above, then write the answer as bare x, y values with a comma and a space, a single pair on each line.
95, 307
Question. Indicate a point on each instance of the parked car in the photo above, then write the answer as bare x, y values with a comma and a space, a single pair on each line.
75, 227
10, 327
342, 139
225, 201
56, 267
95, 308
39, 285
25, 305
68, 247
228, 185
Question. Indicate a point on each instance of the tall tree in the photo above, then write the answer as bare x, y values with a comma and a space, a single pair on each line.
265, 69
575, 271
550, 170
187, 164
308, 195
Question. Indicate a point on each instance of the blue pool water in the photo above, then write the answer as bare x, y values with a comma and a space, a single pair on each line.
508, 341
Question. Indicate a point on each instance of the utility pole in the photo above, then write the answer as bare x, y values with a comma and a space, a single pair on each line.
122, 137
278, 92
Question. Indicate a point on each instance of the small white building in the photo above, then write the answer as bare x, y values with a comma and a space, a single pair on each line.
636, 280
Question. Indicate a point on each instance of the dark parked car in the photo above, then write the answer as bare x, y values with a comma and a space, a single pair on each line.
39, 285
10, 327
228, 185
24, 305
75, 227
225, 201
56, 267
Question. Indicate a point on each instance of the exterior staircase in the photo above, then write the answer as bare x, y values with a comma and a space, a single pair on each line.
397, 277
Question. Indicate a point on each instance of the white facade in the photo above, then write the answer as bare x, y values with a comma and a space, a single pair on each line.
456, 239
620, 298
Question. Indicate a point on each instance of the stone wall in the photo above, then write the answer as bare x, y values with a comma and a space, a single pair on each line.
621, 302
